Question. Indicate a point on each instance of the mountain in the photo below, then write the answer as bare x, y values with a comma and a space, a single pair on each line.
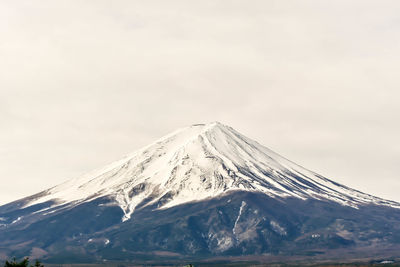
201, 192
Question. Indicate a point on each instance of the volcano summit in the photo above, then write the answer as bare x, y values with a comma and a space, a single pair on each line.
202, 191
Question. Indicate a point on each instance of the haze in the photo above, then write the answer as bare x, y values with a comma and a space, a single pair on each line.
82, 83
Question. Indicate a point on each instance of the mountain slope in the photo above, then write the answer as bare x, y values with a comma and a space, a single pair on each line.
202, 190
200, 162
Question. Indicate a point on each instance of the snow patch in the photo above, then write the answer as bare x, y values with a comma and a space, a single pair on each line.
220, 241
224, 243
238, 217
277, 228
16, 220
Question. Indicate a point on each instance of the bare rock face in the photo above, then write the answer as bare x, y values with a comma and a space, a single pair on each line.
202, 191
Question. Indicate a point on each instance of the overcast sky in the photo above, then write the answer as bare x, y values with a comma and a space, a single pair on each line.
82, 83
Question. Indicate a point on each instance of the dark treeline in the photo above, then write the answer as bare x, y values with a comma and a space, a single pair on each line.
23, 263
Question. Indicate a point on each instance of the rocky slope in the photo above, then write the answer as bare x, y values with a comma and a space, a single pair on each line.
204, 190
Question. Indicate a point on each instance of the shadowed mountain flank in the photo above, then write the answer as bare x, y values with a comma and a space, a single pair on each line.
202, 191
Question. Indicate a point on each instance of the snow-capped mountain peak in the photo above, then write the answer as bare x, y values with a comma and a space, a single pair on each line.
199, 162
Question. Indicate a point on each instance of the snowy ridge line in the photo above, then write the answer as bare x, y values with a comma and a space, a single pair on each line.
196, 163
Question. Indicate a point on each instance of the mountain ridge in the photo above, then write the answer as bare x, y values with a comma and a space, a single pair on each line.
199, 162
202, 191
